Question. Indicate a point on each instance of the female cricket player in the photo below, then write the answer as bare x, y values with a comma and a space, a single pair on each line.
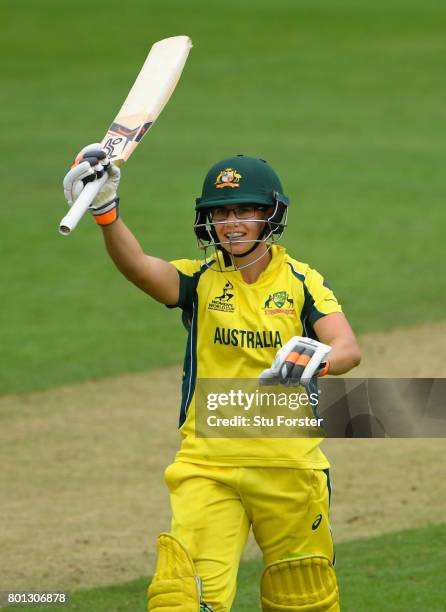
251, 312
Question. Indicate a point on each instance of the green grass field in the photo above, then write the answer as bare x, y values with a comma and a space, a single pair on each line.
345, 99
392, 573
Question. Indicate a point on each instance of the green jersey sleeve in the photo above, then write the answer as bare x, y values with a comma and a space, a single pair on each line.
319, 299
189, 271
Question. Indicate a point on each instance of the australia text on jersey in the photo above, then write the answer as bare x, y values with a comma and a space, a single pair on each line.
246, 338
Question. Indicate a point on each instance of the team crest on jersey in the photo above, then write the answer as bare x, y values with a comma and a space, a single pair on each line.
228, 178
279, 303
224, 301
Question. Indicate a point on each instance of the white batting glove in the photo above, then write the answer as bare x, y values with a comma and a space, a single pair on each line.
89, 165
297, 362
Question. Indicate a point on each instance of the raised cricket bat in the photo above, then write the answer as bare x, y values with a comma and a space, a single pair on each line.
150, 93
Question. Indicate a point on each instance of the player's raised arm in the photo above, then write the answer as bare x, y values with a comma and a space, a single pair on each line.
155, 276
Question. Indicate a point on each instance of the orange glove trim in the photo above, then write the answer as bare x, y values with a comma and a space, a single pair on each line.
107, 218
297, 359
325, 371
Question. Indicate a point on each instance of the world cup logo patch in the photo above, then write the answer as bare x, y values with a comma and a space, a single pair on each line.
223, 301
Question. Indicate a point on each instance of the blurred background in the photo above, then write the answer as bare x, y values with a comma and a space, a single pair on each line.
344, 99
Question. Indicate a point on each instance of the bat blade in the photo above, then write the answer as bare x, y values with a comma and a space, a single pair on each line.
150, 93
148, 96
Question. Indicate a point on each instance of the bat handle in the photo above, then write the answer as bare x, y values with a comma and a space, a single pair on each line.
80, 207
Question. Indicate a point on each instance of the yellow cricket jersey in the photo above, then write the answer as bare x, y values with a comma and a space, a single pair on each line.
234, 331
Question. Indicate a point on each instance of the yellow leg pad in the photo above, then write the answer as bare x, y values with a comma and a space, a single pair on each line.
175, 586
301, 584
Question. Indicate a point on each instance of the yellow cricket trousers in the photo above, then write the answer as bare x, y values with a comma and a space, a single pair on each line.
214, 507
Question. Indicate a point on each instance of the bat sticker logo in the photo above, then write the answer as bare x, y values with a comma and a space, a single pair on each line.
143, 131
124, 133
110, 145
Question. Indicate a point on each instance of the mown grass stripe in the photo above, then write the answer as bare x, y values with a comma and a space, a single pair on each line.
392, 573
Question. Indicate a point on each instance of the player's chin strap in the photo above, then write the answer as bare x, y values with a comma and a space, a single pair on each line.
228, 258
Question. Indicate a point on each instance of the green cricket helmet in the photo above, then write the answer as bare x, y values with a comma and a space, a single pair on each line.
240, 180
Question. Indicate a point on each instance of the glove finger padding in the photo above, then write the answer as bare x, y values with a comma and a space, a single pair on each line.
297, 362
76, 179
108, 193
92, 152
89, 165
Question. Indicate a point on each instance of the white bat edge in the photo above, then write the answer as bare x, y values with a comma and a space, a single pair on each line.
80, 207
